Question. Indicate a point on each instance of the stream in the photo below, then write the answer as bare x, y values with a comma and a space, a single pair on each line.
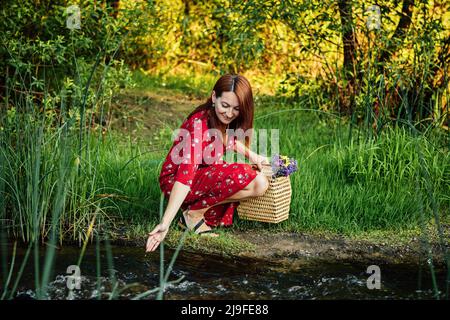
214, 277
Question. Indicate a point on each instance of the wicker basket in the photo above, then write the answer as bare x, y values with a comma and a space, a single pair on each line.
271, 207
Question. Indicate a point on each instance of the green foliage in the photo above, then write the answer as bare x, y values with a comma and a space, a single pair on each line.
300, 43
40, 55
58, 85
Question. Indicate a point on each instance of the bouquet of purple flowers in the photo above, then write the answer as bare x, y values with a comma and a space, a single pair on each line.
282, 166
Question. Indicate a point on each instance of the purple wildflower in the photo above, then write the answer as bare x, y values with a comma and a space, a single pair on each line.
280, 166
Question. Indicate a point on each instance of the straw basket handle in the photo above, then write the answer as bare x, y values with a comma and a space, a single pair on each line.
267, 170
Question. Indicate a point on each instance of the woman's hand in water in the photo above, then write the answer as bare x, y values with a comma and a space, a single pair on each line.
178, 193
156, 237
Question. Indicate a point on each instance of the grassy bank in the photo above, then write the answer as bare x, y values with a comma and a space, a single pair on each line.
348, 183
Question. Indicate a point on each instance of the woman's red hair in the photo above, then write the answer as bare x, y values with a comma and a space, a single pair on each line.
241, 87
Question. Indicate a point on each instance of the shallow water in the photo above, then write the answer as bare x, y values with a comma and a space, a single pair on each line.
212, 277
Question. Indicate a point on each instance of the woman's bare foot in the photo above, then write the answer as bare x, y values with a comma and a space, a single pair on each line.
193, 217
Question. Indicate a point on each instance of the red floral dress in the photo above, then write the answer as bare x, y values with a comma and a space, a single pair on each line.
210, 181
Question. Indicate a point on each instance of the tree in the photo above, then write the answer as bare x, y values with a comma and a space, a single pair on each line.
347, 97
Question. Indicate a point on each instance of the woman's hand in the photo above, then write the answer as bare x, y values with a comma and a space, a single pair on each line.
176, 199
260, 161
156, 237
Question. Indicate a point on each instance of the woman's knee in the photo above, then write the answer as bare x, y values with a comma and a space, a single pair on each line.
260, 186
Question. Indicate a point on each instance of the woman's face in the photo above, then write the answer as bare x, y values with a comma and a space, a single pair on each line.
227, 106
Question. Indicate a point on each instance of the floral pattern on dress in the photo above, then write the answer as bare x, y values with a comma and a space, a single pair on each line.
209, 183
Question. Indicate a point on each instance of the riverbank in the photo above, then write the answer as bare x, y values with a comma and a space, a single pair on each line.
288, 248
347, 197
355, 197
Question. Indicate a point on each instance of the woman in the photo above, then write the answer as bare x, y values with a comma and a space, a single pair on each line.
208, 191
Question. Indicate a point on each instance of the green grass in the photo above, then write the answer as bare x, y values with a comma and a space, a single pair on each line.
344, 185
194, 85
58, 185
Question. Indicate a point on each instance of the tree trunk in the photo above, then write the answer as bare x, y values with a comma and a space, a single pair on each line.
392, 45
347, 96
115, 4
397, 38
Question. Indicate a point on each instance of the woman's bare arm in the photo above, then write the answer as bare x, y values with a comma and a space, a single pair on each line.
249, 154
176, 198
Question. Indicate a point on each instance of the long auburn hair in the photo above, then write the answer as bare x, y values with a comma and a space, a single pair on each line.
241, 87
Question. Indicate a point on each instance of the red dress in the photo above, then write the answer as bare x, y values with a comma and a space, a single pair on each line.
211, 181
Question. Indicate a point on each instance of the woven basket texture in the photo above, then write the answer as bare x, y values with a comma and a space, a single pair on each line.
273, 206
